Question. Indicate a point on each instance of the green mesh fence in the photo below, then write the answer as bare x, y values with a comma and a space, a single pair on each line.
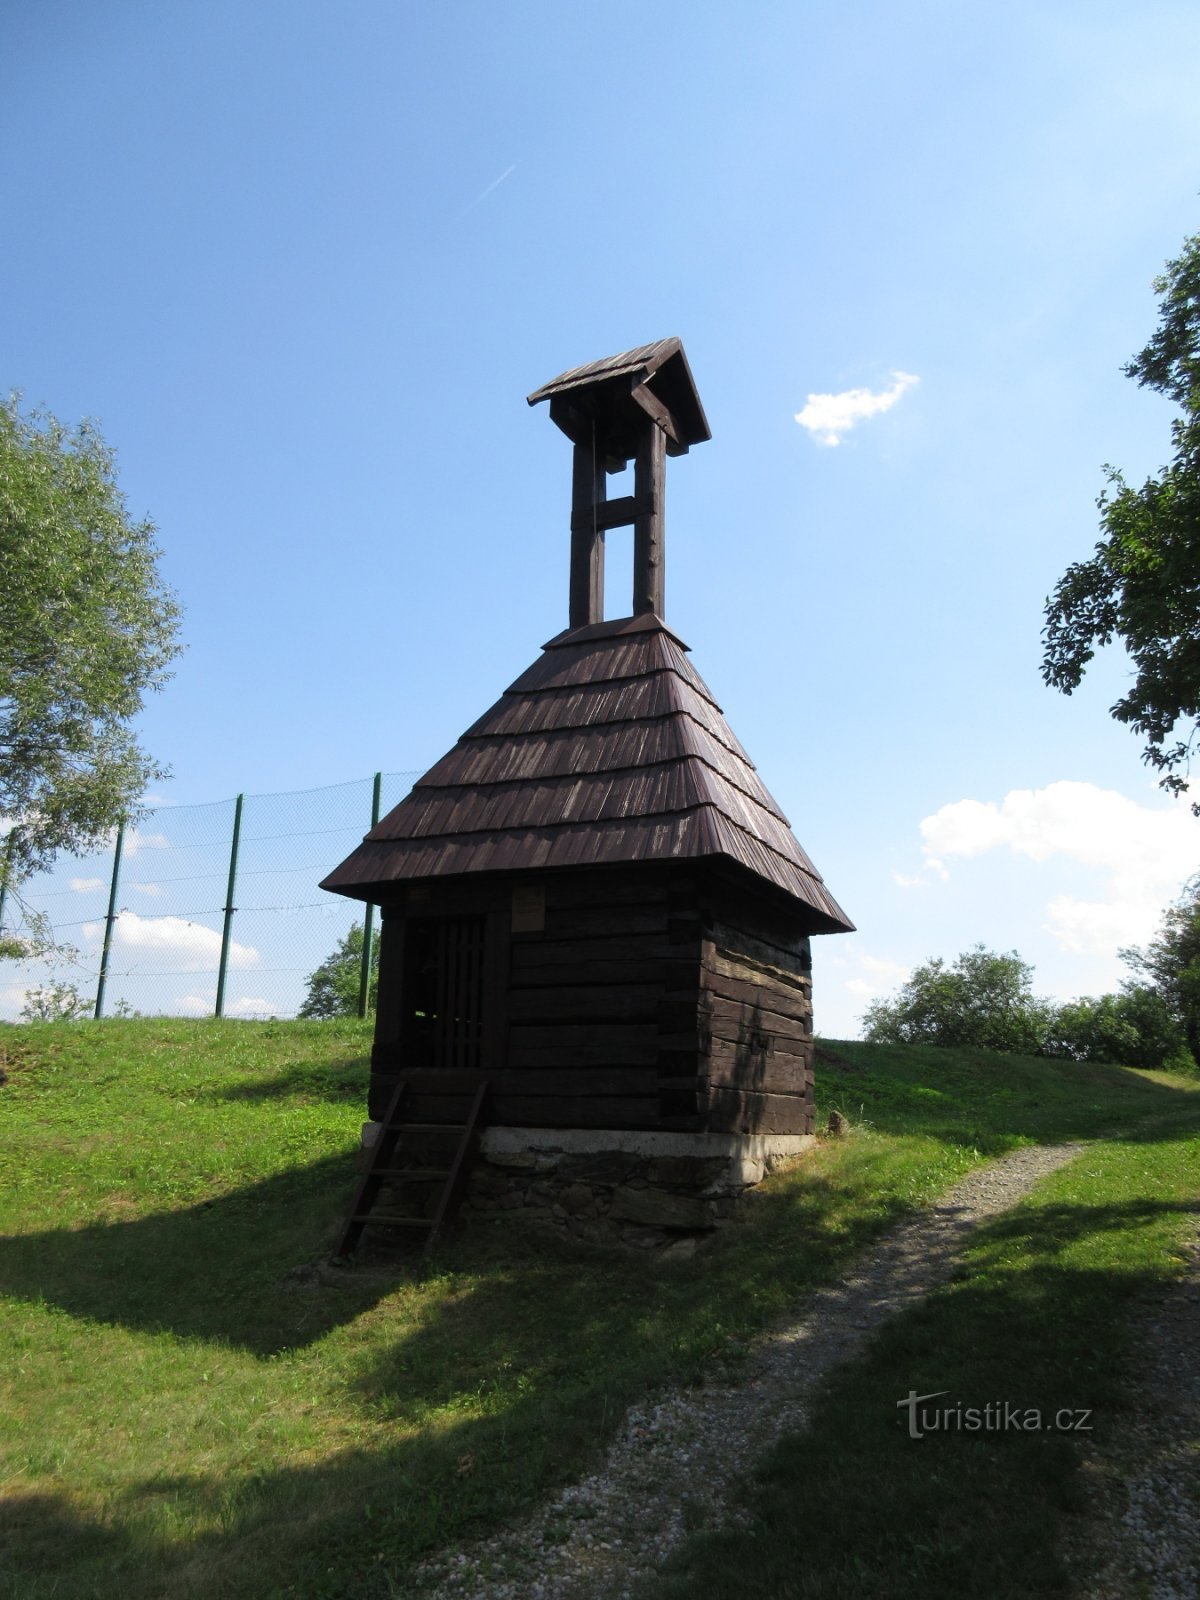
164, 954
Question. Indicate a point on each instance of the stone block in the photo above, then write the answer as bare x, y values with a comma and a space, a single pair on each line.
575, 1199
655, 1208
687, 1172
600, 1166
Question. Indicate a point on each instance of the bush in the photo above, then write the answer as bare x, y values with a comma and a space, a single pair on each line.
1134, 1028
985, 999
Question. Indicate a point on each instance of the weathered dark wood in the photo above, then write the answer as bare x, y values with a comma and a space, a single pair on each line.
586, 1003
577, 1111
649, 529
666, 983
391, 965
616, 513
593, 923
615, 1045
774, 1073
729, 1019
527, 973
724, 963
765, 997
581, 950
496, 984
749, 1111
587, 536
658, 414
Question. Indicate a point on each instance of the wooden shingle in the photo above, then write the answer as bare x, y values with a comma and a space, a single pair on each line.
609, 750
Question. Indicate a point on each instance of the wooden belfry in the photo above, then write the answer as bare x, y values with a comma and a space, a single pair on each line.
641, 407
596, 919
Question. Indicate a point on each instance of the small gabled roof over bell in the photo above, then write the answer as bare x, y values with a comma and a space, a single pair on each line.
617, 393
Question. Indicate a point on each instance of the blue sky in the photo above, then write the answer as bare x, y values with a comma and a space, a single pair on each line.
303, 263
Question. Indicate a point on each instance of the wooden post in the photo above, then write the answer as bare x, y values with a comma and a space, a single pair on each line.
587, 540
649, 475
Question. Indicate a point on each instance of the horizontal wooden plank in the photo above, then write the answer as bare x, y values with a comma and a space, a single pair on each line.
605, 947
738, 1111
611, 888
612, 513
577, 1082
730, 1068
579, 1003
575, 1111
590, 922
723, 1012
763, 934
728, 1019
768, 996
747, 969
563, 1044
529, 973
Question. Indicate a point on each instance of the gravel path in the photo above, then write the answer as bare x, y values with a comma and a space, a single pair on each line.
597, 1538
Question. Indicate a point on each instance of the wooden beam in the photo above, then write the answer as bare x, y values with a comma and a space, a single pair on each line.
657, 412
649, 476
612, 514
587, 537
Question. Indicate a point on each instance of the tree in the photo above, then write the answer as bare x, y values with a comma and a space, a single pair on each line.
333, 987
1171, 963
1135, 1028
86, 628
984, 1000
1142, 585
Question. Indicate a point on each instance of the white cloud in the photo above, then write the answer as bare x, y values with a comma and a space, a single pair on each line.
200, 1003
1147, 853
153, 889
136, 840
172, 937
88, 885
252, 1006
828, 416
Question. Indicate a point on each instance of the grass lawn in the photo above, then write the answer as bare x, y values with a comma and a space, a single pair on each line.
182, 1416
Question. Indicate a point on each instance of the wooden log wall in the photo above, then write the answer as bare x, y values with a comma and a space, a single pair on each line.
752, 1021
588, 1002
647, 1000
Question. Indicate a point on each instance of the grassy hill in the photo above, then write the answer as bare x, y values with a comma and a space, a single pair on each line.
184, 1413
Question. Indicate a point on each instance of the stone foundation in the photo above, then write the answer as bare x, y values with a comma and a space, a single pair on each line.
646, 1190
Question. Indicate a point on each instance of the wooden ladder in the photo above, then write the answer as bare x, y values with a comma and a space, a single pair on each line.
395, 1166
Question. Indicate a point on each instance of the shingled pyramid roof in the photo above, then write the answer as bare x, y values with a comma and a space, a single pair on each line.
609, 750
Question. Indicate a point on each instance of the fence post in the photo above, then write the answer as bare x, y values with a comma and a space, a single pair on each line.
229, 906
364, 977
108, 923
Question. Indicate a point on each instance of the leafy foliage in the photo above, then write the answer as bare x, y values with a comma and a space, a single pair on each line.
1135, 1028
1142, 585
1171, 963
55, 1001
333, 987
984, 999
86, 627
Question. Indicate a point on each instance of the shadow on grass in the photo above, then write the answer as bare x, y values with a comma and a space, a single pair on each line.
529, 1368
216, 1270
300, 1081
519, 1370
960, 1510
